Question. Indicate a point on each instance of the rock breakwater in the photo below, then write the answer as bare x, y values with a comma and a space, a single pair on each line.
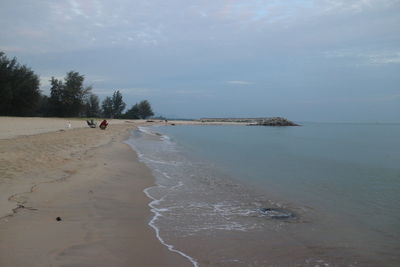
266, 121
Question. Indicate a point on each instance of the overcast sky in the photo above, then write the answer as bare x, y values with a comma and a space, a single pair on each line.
308, 60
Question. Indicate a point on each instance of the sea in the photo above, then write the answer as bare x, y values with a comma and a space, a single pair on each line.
320, 194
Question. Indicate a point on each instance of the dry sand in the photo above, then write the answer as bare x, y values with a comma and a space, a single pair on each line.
89, 178
16, 126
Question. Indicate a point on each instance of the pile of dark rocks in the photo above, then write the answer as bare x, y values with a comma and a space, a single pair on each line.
274, 121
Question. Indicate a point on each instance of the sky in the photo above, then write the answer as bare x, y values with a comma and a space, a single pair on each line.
307, 60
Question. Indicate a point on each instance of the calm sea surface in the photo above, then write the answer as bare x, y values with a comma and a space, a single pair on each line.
340, 181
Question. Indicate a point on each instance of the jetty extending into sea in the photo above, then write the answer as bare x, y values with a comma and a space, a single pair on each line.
263, 121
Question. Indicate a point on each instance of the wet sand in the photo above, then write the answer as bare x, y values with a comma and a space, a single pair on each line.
92, 181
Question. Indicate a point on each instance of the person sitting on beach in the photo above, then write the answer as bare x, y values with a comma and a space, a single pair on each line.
91, 123
103, 124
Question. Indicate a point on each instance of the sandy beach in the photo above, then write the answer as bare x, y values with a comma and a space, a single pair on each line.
101, 193
88, 178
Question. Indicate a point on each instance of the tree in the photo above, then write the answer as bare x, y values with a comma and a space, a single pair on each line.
132, 113
43, 107
145, 110
107, 107
67, 98
74, 94
113, 106
56, 95
118, 105
19, 88
140, 110
92, 107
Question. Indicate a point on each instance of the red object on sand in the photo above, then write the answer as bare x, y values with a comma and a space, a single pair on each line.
103, 124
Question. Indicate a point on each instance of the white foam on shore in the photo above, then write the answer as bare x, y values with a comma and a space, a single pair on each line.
162, 162
154, 202
146, 130
157, 214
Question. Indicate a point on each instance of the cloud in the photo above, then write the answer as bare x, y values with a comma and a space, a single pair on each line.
366, 57
76, 9
180, 50
138, 91
11, 49
385, 58
77, 25
240, 82
356, 6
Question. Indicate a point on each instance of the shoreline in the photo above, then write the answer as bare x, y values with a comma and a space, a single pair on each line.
95, 183
206, 208
157, 230
101, 187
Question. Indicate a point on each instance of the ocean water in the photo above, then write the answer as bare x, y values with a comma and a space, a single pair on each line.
223, 189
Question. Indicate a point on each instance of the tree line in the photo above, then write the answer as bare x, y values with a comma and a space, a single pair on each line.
20, 96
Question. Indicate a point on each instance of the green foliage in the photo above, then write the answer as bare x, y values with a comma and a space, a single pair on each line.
133, 113
92, 106
140, 110
19, 88
145, 110
43, 107
107, 107
118, 105
113, 106
20, 96
67, 99
56, 96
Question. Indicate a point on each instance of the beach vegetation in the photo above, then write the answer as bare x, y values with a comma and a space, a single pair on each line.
107, 107
20, 95
140, 110
132, 113
19, 88
92, 106
67, 98
118, 105
113, 106
145, 109
43, 106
